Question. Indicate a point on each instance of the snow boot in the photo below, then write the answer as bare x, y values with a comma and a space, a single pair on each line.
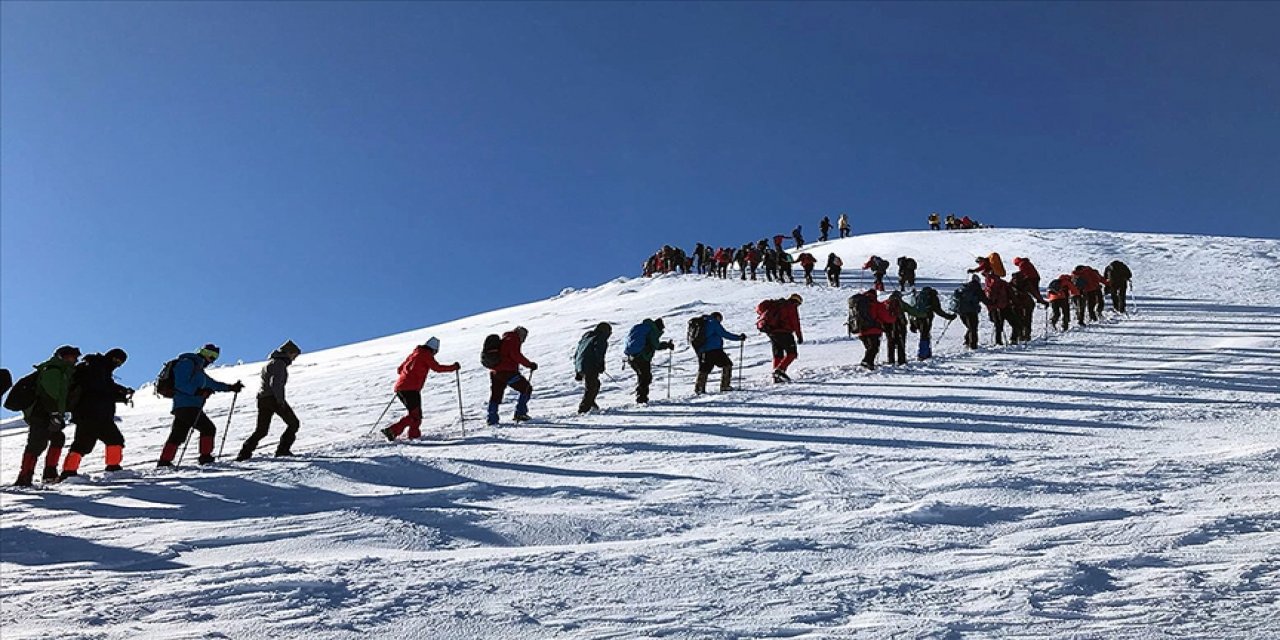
205, 458
114, 467
67, 474
388, 434
50, 475
521, 417
700, 385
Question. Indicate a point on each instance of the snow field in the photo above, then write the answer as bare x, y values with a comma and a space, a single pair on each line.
1115, 481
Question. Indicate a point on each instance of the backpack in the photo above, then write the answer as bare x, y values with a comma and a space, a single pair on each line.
491, 352
23, 394
881, 264
907, 264
585, 344
769, 316
860, 314
1055, 286
915, 306
997, 265
928, 299
1119, 271
637, 339
1080, 281
838, 263
697, 333
164, 381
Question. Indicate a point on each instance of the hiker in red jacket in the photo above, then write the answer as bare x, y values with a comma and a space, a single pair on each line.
1030, 280
506, 373
807, 262
870, 318
1090, 283
413, 376
984, 267
1061, 291
780, 320
999, 307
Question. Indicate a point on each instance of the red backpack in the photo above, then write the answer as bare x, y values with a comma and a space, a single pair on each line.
769, 316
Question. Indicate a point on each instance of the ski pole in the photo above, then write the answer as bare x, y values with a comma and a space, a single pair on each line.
944, 330
742, 346
227, 429
383, 415
187, 442
670, 358
462, 420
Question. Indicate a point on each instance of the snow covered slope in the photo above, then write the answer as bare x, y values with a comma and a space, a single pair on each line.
1116, 481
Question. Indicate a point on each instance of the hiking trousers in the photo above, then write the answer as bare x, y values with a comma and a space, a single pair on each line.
644, 377
88, 433
592, 381
970, 321
1119, 295
998, 317
1095, 302
184, 420
42, 433
871, 346
269, 407
709, 361
897, 344
412, 401
784, 350
498, 383
1061, 307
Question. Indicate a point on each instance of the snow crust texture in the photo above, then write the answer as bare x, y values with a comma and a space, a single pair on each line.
1116, 481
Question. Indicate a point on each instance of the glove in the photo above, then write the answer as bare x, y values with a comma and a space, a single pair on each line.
57, 422
533, 366
667, 345
455, 366
237, 387
578, 377
799, 339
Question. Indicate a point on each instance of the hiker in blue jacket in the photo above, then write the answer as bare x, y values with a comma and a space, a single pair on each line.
191, 388
588, 363
711, 353
642, 342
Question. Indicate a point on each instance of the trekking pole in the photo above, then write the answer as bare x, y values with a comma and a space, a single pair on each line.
944, 330
670, 359
742, 346
227, 429
462, 420
187, 442
383, 415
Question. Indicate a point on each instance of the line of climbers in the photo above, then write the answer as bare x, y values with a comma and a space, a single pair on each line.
715, 261
88, 391
952, 222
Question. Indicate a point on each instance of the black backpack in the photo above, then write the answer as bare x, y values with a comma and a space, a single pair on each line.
907, 264
164, 381
1119, 271
1080, 283
491, 352
860, 314
1055, 286
697, 333
23, 394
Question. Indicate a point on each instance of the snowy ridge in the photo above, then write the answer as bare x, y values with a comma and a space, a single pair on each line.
1114, 481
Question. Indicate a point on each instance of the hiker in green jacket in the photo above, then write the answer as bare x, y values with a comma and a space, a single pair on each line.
46, 417
643, 341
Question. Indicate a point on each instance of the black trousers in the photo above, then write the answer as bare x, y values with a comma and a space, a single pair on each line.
42, 435
970, 321
998, 317
1095, 302
906, 280
186, 419
90, 431
1061, 307
269, 407
1119, 295
897, 342
592, 381
808, 275
833, 277
1079, 303
644, 378
871, 344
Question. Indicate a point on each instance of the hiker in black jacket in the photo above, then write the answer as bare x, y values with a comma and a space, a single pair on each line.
271, 402
94, 397
1118, 276
588, 363
926, 305
906, 273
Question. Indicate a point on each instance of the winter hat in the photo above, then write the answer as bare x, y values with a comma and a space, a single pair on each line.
290, 347
66, 350
660, 324
117, 354
1017, 261
432, 343
522, 333
604, 328
210, 351
795, 297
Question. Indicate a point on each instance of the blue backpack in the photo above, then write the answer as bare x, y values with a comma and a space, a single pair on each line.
637, 339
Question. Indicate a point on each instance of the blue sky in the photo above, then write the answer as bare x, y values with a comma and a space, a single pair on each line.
176, 173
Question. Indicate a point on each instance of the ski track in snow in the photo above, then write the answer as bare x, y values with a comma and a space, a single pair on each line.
1116, 481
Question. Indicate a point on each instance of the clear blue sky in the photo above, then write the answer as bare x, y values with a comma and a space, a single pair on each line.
178, 172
